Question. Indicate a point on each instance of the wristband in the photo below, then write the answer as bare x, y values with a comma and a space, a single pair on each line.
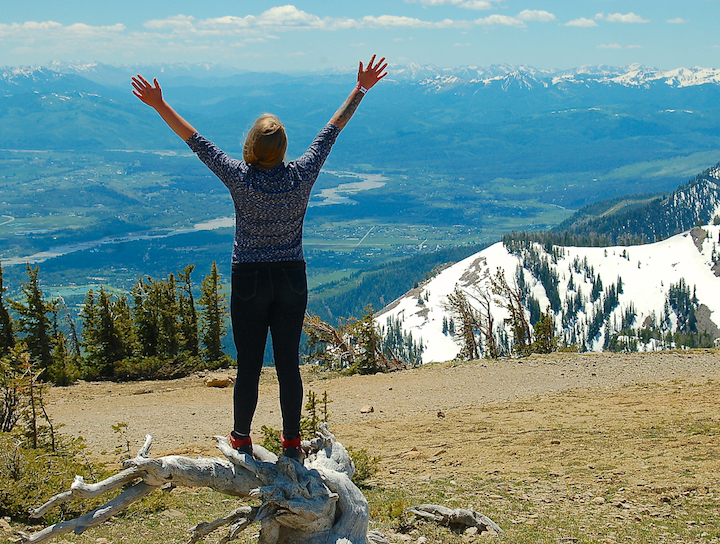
361, 88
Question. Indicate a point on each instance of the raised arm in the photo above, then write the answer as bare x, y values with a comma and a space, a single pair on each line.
367, 78
152, 96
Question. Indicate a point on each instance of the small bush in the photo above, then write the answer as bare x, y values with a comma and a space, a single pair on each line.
317, 412
30, 476
163, 368
271, 439
366, 465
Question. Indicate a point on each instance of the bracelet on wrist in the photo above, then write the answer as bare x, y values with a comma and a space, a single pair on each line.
361, 88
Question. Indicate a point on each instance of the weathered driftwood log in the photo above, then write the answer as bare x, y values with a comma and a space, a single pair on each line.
315, 503
459, 519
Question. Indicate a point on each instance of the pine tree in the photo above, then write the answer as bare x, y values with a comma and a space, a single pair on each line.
63, 370
105, 332
214, 309
33, 321
7, 336
469, 322
145, 318
122, 316
188, 313
511, 299
165, 297
544, 333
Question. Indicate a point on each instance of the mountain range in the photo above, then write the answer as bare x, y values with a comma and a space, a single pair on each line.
207, 74
631, 297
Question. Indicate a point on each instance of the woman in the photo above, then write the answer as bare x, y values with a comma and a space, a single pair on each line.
269, 284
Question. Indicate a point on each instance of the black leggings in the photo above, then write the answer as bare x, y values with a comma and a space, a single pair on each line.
268, 296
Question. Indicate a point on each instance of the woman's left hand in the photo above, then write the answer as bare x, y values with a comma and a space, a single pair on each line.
375, 71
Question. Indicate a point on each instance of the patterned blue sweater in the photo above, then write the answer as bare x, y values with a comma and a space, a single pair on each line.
270, 205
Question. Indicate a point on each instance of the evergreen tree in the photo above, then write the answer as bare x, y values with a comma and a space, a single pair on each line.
469, 321
105, 332
366, 337
33, 321
544, 333
213, 311
165, 297
7, 336
145, 318
188, 313
122, 317
63, 370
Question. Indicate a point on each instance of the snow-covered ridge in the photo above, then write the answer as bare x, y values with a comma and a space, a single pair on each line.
597, 295
529, 78
644, 275
433, 77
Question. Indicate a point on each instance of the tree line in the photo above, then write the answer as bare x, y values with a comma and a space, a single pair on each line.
159, 331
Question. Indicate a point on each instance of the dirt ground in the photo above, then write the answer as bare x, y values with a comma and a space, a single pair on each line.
555, 448
457, 416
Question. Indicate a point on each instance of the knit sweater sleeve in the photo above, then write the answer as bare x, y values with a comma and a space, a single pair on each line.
310, 163
223, 166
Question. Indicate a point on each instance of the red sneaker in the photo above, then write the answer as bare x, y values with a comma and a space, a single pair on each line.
243, 444
293, 448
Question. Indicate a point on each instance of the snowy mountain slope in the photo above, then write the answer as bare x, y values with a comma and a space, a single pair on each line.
645, 273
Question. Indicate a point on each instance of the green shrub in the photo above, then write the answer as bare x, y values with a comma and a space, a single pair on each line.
164, 368
30, 476
271, 440
317, 412
366, 465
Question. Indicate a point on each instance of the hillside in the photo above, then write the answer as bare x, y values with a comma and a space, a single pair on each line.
641, 297
640, 219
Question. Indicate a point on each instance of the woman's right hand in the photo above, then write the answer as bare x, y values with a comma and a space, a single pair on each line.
367, 77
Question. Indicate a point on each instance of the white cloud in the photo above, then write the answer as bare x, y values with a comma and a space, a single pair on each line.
183, 36
499, 20
177, 22
47, 30
678, 21
610, 46
465, 4
536, 15
581, 22
634, 47
395, 21
621, 18
289, 18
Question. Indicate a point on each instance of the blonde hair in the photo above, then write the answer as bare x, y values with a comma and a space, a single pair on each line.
266, 143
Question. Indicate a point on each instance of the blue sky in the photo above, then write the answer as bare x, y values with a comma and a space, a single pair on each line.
319, 34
